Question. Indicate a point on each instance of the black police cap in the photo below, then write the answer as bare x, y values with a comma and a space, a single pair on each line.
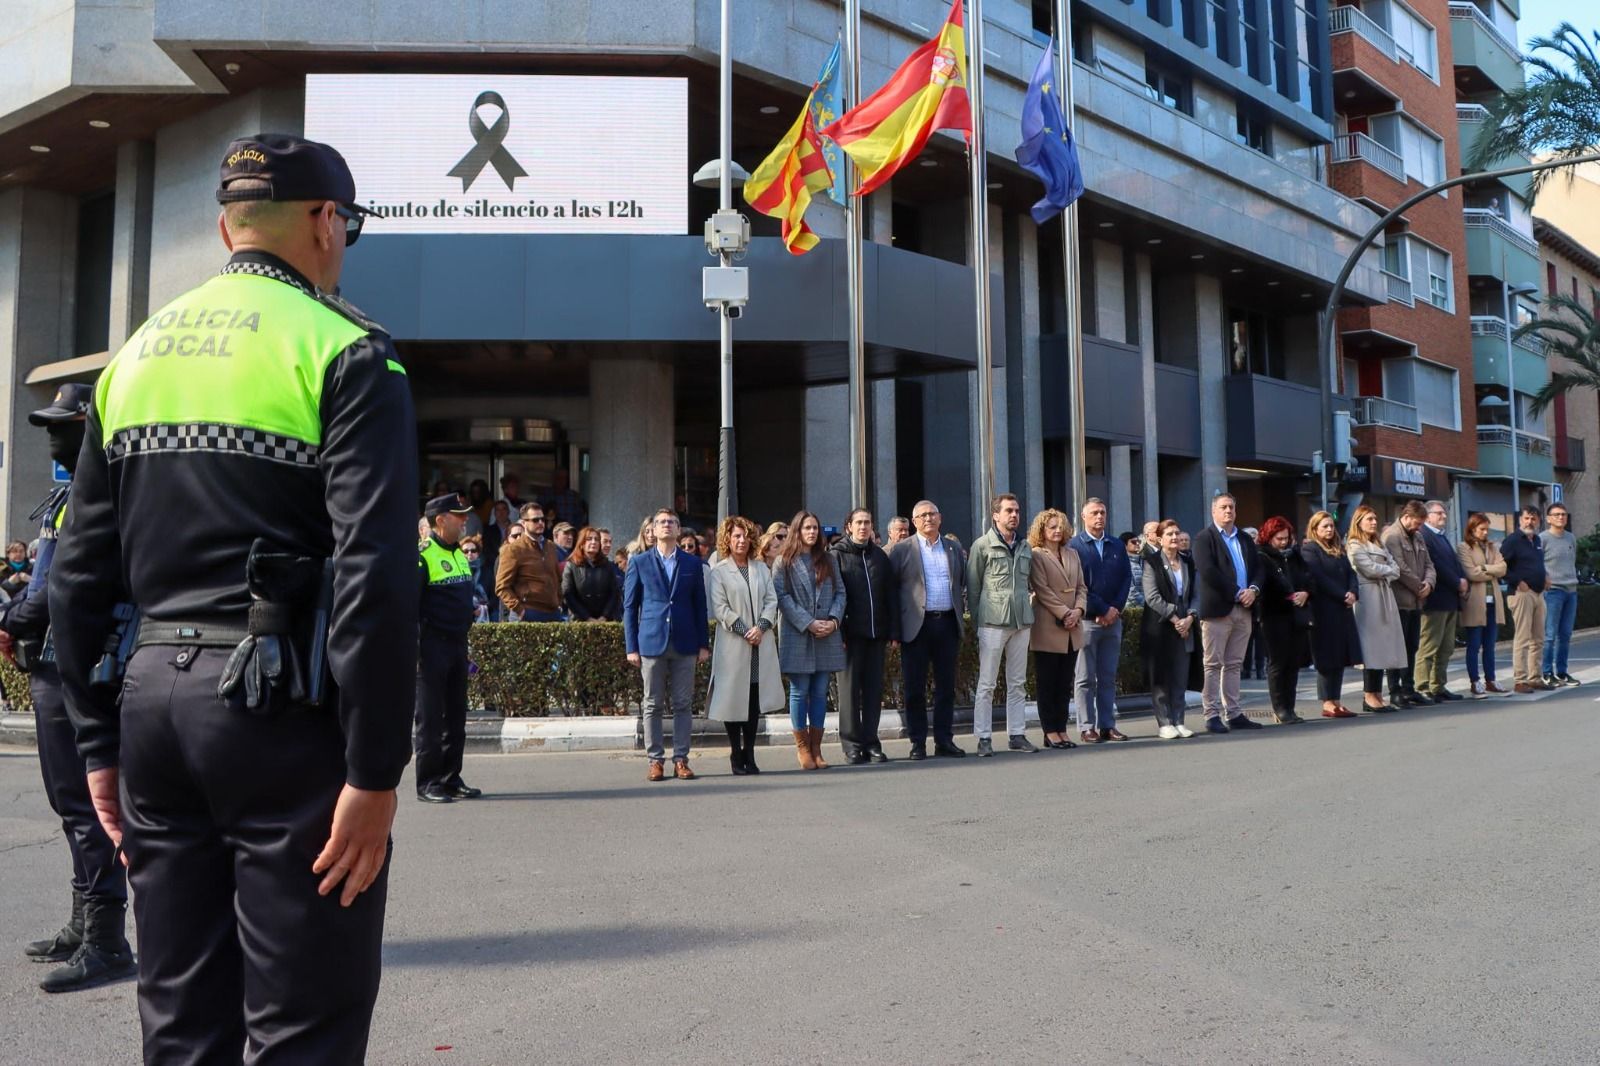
291, 167
450, 503
71, 401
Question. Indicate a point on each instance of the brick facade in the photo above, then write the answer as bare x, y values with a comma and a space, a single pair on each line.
1568, 268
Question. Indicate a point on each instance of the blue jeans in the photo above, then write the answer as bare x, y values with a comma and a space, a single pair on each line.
531, 615
1482, 637
808, 700
1560, 614
1097, 676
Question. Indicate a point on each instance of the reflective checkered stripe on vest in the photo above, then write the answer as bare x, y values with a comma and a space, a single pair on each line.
446, 566
236, 366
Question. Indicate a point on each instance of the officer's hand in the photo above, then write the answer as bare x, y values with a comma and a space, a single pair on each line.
358, 843
107, 807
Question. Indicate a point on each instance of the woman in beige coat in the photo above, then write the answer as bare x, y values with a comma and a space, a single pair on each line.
745, 681
1482, 611
1059, 600
1383, 644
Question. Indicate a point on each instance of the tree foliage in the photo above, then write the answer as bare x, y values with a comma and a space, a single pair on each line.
1569, 330
1557, 111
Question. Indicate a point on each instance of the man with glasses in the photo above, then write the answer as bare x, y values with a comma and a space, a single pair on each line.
1560, 597
931, 580
1442, 609
1525, 582
256, 826
528, 576
665, 633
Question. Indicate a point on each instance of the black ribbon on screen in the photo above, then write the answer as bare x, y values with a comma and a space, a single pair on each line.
489, 147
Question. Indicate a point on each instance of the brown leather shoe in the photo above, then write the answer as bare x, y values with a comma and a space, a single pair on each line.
1114, 734
802, 749
656, 771
680, 770
1490, 686
1522, 690
1090, 736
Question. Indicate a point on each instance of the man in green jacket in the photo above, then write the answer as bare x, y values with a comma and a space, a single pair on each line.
998, 596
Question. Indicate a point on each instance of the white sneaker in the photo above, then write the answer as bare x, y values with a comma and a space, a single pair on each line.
1167, 732
1478, 691
1183, 731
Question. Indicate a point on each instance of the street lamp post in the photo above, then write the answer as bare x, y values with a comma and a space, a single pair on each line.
1507, 291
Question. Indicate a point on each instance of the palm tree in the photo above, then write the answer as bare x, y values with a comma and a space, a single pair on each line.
1557, 111
1571, 331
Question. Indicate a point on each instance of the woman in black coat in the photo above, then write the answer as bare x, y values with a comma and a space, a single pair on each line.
589, 586
1168, 629
1284, 615
1335, 641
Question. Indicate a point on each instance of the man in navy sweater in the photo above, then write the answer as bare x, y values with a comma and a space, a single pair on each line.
1441, 609
1525, 583
1107, 574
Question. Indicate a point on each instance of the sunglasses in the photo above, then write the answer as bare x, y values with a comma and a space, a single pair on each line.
469, 551
352, 222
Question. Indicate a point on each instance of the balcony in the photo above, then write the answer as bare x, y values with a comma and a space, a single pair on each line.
1399, 289
1485, 59
1496, 249
1377, 411
1352, 20
1350, 147
1569, 454
1489, 356
1272, 421
1535, 455
1472, 121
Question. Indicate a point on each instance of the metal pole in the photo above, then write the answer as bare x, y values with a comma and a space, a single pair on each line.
854, 206
727, 475
980, 257
1511, 386
1077, 480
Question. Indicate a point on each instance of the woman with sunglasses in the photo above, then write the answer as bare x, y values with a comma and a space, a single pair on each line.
472, 548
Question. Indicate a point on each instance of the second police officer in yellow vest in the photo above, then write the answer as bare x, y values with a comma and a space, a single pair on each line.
441, 726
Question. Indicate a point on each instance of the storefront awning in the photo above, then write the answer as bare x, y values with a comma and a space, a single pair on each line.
66, 369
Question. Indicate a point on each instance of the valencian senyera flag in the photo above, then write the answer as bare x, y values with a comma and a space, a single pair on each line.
797, 169
825, 107
929, 92
1047, 149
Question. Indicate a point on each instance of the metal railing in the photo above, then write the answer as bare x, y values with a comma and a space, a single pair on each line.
1471, 113
1500, 436
1471, 13
1495, 326
1377, 411
1348, 19
1569, 456
1488, 218
1348, 147
1399, 289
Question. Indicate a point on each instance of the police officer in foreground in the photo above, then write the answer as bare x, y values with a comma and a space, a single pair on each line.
441, 729
250, 469
93, 944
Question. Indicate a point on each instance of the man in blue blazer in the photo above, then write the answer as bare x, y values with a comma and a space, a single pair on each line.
1108, 576
1442, 609
666, 634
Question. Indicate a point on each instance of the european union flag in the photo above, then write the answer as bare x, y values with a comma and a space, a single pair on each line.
1047, 148
825, 107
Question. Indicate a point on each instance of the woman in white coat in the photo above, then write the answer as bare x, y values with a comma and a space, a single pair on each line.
745, 682
1383, 645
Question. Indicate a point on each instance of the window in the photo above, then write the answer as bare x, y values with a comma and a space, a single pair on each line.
1527, 421
1421, 151
1430, 275
1221, 40
1281, 59
1256, 344
1250, 39
1253, 131
1397, 256
1414, 38
92, 284
1170, 87
1550, 277
1306, 41
1438, 395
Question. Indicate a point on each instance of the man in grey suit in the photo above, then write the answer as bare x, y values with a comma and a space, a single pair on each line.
931, 580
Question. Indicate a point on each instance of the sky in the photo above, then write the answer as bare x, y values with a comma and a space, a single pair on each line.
1539, 17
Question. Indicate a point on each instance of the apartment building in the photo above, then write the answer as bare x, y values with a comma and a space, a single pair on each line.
1572, 269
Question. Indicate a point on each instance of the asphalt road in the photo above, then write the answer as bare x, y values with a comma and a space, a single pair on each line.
1407, 889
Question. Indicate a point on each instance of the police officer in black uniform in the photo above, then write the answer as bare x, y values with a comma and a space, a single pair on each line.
93, 943
249, 475
441, 727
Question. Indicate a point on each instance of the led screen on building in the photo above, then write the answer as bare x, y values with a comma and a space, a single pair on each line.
495, 153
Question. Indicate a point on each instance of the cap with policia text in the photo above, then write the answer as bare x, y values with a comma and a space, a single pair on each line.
293, 168
72, 401
450, 503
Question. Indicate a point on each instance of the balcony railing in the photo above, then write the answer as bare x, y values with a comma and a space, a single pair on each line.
1377, 411
1569, 453
1348, 147
1353, 20
1487, 217
1495, 326
1532, 443
1471, 113
1471, 13
1399, 289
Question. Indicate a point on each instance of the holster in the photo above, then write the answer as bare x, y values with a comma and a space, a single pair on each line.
281, 662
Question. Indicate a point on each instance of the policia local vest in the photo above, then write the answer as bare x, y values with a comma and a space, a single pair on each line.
447, 596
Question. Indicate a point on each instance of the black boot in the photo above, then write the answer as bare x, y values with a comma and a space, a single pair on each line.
103, 956
60, 947
750, 749
736, 750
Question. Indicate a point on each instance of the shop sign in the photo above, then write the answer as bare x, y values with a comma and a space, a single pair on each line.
490, 153
1407, 477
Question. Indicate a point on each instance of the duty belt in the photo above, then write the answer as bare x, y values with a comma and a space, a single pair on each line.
190, 634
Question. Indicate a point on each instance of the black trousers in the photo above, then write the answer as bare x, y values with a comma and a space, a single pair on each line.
937, 645
1404, 679
1169, 668
96, 871
1329, 684
742, 735
1283, 643
223, 813
1053, 675
439, 733
861, 695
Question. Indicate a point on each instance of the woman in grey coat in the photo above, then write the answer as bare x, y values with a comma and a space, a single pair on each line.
1383, 644
810, 650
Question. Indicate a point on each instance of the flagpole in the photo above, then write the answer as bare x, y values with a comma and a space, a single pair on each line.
727, 475
980, 258
854, 206
1076, 447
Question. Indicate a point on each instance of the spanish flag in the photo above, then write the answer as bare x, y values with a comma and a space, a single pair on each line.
783, 184
888, 129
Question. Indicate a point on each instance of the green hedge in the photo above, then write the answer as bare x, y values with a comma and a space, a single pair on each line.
527, 669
